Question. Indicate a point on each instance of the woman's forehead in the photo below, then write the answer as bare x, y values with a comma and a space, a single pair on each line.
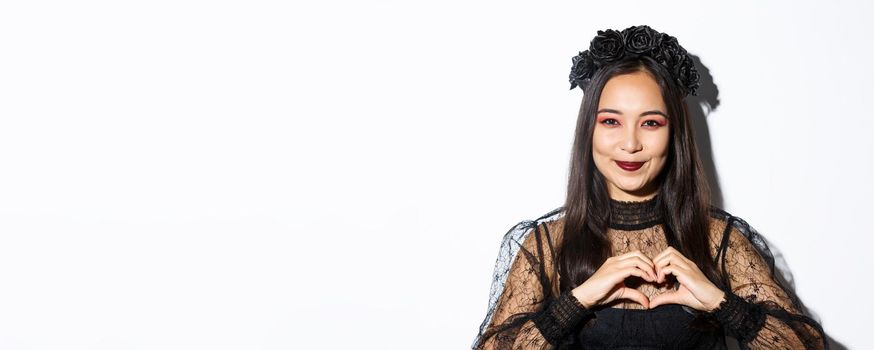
637, 92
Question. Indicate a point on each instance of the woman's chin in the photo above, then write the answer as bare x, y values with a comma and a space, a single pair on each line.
636, 190
631, 188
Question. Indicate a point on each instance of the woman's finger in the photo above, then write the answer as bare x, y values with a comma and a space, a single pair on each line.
632, 294
623, 273
672, 297
668, 260
667, 250
677, 271
640, 263
672, 251
638, 254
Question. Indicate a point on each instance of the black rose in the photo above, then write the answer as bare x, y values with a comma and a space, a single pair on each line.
687, 75
607, 46
641, 39
669, 52
635, 41
582, 70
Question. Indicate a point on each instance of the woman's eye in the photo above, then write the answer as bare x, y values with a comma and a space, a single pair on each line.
609, 121
651, 123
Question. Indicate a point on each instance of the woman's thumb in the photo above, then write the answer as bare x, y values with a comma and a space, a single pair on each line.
634, 295
665, 298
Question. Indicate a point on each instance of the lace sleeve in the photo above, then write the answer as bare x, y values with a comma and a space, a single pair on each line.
523, 311
758, 310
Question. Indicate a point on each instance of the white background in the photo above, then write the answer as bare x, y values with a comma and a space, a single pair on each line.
266, 175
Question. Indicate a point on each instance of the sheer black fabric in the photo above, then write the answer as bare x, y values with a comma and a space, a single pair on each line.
526, 311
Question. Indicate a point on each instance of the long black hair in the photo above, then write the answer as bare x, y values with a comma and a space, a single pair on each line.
684, 196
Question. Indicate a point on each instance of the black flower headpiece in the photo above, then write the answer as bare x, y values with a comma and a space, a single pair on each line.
610, 46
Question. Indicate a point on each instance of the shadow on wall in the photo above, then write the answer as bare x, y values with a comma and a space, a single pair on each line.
699, 109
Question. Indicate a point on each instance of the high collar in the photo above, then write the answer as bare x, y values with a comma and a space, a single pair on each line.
634, 215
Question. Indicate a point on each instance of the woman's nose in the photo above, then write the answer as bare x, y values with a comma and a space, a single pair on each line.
631, 143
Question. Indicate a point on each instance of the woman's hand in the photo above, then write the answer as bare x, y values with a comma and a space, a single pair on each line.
695, 291
607, 284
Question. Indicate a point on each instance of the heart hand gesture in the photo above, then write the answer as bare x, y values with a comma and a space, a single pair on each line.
695, 291
607, 283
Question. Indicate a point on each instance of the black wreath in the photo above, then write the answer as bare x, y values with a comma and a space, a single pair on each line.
610, 46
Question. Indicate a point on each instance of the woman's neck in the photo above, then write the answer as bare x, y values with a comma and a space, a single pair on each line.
635, 214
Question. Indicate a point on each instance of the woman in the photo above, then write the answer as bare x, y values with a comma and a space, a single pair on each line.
637, 257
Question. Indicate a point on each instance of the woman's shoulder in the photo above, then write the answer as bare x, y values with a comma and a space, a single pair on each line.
725, 223
730, 231
548, 225
550, 220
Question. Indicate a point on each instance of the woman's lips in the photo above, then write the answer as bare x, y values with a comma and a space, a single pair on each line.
630, 166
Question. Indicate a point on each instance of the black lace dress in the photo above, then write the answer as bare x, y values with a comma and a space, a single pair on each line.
526, 310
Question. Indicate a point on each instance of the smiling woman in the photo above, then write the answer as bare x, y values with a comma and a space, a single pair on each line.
638, 257
630, 141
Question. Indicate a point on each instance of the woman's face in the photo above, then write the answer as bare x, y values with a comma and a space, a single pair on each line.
630, 142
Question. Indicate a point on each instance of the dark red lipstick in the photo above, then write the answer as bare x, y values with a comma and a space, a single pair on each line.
630, 166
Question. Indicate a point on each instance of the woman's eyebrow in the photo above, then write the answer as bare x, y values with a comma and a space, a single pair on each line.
610, 110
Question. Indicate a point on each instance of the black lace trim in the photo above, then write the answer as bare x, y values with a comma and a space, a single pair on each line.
742, 319
629, 215
558, 320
